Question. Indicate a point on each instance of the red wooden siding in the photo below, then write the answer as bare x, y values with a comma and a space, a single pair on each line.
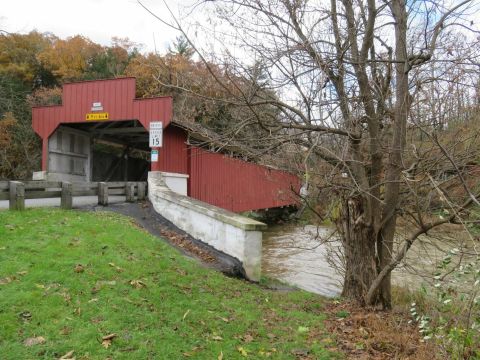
117, 97
238, 185
172, 156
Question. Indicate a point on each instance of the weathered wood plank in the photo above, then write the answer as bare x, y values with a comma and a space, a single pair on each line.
141, 191
4, 195
17, 195
117, 191
130, 192
103, 194
116, 184
68, 153
93, 192
42, 185
41, 194
76, 188
66, 201
4, 185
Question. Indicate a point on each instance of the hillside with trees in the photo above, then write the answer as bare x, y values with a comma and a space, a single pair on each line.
34, 66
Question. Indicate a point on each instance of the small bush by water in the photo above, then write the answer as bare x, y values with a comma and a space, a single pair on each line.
451, 316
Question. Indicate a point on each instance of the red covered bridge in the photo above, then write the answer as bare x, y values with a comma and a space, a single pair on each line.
101, 133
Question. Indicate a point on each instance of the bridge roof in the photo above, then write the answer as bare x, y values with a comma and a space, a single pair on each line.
117, 98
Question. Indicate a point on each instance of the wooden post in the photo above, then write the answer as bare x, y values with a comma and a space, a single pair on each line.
102, 193
130, 191
66, 200
17, 195
141, 191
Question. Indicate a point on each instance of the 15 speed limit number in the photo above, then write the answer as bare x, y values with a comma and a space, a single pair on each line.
156, 134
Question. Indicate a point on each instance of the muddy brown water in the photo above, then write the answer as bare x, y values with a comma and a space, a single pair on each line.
297, 255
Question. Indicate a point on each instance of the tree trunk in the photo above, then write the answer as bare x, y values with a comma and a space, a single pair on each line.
385, 247
382, 292
358, 238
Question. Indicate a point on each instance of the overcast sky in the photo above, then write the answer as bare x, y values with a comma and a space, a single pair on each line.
98, 20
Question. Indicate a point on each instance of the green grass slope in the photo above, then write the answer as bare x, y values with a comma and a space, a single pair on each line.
67, 279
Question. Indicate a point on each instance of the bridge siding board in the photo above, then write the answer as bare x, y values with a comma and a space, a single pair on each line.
238, 185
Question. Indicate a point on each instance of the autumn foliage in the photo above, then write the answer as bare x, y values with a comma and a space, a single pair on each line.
34, 66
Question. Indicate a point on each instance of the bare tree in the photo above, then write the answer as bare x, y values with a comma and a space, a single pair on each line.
345, 75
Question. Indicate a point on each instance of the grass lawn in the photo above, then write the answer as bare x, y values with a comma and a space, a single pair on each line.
69, 278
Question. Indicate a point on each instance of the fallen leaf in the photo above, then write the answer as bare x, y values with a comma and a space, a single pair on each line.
109, 336
34, 341
117, 268
185, 315
181, 272
25, 315
93, 300
363, 332
217, 338
301, 352
65, 330
220, 356
248, 338
137, 284
5, 280
66, 296
303, 329
22, 273
192, 352
97, 319
79, 268
107, 340
242, 351
68, 355
327, 340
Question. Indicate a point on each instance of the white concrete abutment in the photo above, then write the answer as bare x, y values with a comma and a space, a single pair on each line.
230, 233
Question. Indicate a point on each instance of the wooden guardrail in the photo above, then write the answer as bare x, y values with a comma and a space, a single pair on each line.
17, 191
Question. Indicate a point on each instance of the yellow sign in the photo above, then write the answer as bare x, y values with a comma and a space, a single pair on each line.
96, 116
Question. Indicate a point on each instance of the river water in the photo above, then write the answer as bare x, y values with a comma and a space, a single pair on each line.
297, 255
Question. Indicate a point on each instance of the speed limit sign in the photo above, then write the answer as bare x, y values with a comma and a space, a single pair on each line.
156, 134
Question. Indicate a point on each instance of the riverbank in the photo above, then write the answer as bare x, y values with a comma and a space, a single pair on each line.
99, 285
430, 289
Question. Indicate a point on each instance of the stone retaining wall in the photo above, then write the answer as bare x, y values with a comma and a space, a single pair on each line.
235, 235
